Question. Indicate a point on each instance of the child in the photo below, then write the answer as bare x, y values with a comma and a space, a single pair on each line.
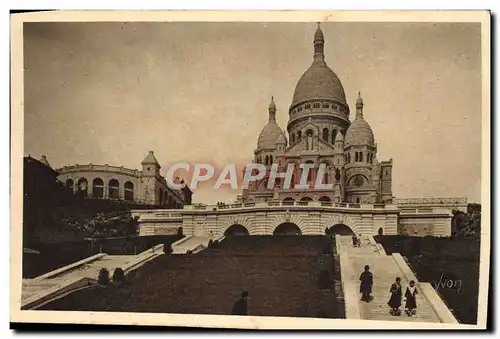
411, 302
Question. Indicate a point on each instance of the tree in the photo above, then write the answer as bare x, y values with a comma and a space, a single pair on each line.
467, 225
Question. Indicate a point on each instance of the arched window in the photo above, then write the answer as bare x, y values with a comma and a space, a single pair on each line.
356, 157
348, 157
267, 160
316, 105
129, 191
98, 188
360, 156
270, 160
334, 134
82, 187
309, 133
113, 189
70, 183
308, 106
299, 135
325, 134
357, 200
292, 138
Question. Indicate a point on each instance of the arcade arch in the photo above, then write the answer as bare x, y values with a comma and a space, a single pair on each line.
340, 229
235, 230
287, 228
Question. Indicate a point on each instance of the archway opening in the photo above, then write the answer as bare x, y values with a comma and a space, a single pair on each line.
129, 191
113, 189
325, 199
82, 187
69, 184
235, 230
98, 188
305, 200
287, 228
288, 201
339, 229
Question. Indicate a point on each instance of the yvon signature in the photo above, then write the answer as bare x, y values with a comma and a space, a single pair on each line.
447, 283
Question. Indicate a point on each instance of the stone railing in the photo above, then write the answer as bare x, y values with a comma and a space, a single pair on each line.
429, 201
423, 210
98, 168
287, 204
427, 291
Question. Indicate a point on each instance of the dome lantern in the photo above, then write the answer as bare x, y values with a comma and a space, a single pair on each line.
319, 44
272, 110
359, 105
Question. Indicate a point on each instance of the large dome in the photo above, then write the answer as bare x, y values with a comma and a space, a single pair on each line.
269, 136
359, 133
319, 82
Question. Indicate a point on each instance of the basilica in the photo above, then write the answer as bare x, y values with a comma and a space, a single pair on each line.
321, 131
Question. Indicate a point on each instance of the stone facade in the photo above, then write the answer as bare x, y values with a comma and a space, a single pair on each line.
147, 186
320, 132
308, 218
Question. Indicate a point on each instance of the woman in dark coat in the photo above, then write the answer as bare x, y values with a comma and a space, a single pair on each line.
365, 287
396, 295
411, 301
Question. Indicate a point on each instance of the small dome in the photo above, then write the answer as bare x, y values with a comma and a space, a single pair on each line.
269, 136
359, 133
150, 159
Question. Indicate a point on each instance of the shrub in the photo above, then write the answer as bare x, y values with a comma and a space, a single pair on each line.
118, 275
103, 277
167, 249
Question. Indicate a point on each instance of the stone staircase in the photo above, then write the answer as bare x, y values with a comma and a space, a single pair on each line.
79, 275
190, 243
385, 270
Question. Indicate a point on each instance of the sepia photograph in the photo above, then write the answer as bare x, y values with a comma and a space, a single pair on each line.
258, 170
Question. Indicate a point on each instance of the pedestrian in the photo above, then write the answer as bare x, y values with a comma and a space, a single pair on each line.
240, 307
411, 299
354, 240
396, 295
359, 241
365, 287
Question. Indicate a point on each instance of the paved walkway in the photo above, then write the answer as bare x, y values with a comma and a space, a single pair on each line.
384, 270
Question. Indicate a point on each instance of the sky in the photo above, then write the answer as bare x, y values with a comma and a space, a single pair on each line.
107, 93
